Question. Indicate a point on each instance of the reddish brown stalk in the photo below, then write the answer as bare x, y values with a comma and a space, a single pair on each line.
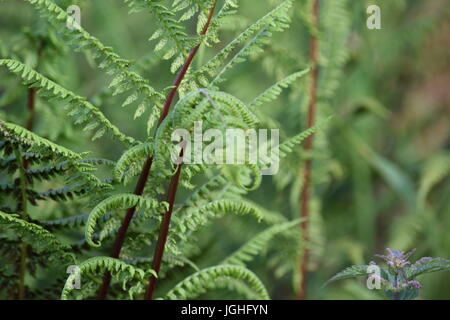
171, 195
31, 108
120, 238
139, 190
163, 232
31, 104
23, 246
305, 194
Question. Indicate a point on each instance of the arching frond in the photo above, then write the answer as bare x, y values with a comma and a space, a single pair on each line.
39, 238
274, 91
171, 36
131, 161
115, 202
193, 218
99, 265
86, 113
22, 136
277, 19
436, 169
204, 280
119, 68
257, 244
287, 146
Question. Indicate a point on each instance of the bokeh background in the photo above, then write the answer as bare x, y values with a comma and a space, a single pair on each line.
381, 167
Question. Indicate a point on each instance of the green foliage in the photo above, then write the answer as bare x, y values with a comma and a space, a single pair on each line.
18, 135
206, 279
274, 91
379, 174
398, 279
42, 240
255, 245
117, 202
99, 184
99, 265
84, 112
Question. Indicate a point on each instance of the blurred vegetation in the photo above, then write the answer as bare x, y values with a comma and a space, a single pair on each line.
380, 175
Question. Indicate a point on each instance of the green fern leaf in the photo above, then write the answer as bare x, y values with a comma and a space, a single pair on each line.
99, 265
257, 244
86, 113
274, 91
115, 202
205, 279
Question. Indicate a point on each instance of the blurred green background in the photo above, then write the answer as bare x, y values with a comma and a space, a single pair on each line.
381, 167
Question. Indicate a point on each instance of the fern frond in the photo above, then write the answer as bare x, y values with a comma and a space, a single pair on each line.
86, 113
170, 33
288, 146
196, 217
194, 107
64, 167
132, 161
335, 30
204, 280
72, 191
22, 136
203, 193
274, 91
229, 8
236, 286
124, 79
436, 169
69, 222
277, 19
257, 244
39, 238
99, 265
115, 202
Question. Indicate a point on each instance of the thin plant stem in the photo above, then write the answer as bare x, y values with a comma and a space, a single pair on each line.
23, 166
163, 232
24, 216
308, 147
143, 177
171, 195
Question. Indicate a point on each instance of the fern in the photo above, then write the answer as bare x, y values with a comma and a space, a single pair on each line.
128, 164
205, 279
22, 136
123, 78
274, 91
37, 168
277, 19
257, 244
85, 112
195, 218
41, 239
172, 38
435, 171
120, 201
99, 265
